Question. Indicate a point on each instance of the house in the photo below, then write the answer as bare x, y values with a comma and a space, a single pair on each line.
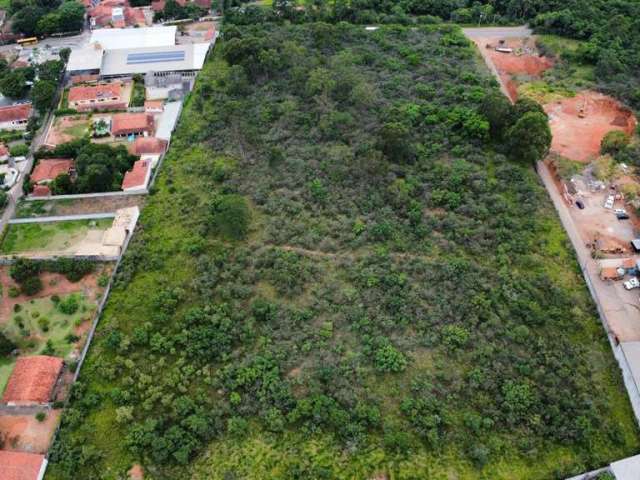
22, 465
148, 146
154, 106
15, 117
99, 97
116, 14
138, 177
32, 380
48, 169
137, 124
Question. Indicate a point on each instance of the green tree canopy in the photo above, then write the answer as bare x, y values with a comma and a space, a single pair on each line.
530, 138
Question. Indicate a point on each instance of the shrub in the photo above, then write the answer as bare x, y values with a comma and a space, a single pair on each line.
614, 142
103, 281
19, 150
43, 323
17, 307
389, 359
14, 291
6, 345
41, 416
31, 286
69, 305
230, 216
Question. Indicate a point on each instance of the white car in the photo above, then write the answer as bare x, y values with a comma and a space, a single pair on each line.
620, 211
632, 283
609, 202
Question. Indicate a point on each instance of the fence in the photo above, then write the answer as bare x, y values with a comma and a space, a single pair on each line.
78, 196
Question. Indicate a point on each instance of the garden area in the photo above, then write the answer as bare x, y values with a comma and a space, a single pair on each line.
52, 237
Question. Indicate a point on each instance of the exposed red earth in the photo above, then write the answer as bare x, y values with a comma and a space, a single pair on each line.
579, 124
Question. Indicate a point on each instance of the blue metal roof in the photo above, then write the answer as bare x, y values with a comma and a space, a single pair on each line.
154, 57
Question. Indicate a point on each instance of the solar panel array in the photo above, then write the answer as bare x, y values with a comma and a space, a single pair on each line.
153, 57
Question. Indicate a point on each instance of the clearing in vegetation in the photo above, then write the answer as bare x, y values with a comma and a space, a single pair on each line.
52, 237
26, 433
340, 277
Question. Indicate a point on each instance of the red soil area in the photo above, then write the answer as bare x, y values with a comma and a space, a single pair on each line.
24, 433
579, 138
136, 472
53, 284
510, 65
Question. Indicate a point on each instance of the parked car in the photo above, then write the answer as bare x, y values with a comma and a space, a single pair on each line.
579, 204
622, 216
609, 202
632, 283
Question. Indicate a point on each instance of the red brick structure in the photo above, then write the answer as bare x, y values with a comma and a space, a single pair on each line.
32, 380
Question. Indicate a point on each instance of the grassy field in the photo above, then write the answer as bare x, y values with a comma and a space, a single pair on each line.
49, 237
42, 320
6, 366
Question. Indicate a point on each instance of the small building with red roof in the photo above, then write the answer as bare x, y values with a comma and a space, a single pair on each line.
22, 465
15, 117
32, 380
106, 96
48, 169
41, 191
138, 177
138, 124
148, 146
116, 14
154, 106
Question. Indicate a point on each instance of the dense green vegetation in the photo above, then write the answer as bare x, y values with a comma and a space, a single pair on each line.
340, 275
98, 167
610, 30
44, 17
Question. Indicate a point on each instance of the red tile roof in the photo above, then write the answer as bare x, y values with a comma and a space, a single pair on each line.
15, 112
41, 191
126, 123
153, 105
203, 3
84, 78
3, 150
135, 16
48, 169
148, 146
20, 465
32, 380
137, 176
96, 92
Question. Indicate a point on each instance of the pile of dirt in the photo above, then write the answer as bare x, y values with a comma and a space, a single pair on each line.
579, 124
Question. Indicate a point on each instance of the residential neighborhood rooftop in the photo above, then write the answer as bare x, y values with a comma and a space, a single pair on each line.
21, 465
138, 176
126, 123
86, 58
95, 92
32, 380
48, 169
148, 146
11, 113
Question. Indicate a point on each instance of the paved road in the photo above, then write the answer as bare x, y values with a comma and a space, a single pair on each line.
497, 32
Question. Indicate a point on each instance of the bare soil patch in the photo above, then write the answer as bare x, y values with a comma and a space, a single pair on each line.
47, 208
65, 129
136, 472
579, 124
524, 61
24, 433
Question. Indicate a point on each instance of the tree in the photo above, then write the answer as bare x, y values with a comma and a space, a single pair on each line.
62, 185
525, 105
230, 216
71, 16
48, 24
614, 142
64, 54
395, 142
530, 138
6, 345
42, 95
97, 178
498, 111
4, 199
50, 70
13, 84
26, 20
